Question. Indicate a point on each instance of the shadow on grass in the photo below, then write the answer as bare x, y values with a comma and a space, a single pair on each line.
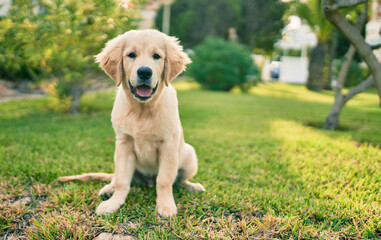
345, 128
342, 128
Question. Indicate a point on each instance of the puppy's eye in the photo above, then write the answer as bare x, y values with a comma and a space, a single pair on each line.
132, 55
156, 56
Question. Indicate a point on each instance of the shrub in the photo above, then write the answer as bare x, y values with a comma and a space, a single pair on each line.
59, 99
58, 39
221, 65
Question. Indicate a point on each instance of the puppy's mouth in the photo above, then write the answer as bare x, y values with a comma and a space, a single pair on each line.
142, 92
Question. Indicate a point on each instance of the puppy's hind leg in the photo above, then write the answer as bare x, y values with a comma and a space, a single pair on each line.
188, 169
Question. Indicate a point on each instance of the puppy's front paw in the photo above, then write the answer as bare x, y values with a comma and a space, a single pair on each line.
108, 207
166, 208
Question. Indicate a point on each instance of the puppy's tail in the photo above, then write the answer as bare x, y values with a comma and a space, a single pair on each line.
87, 176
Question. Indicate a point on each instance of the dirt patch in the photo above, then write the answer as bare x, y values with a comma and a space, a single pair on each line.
20, 90
109, 236
21, 201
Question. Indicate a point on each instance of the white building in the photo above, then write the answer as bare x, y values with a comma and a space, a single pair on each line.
5, 5
295, 35
373, 28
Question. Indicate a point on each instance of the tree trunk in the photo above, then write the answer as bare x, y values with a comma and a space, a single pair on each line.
76, 92
332, 120
331, 12
315, 80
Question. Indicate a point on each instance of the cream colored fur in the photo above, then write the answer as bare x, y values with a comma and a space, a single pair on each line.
149, 136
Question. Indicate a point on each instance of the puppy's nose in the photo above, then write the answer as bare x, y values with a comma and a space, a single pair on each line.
144, 73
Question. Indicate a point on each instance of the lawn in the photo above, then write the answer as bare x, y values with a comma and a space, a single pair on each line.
268, 168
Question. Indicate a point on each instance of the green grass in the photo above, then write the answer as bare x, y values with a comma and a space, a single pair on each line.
269, 170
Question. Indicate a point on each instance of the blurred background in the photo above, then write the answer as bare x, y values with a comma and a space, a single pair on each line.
47, 46
267, 77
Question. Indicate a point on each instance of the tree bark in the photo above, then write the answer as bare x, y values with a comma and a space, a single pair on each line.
76, 92
344, 70
332, 120
315, 81
354, 36
347, 3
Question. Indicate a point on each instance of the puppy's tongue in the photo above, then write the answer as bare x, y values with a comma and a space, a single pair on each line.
144, 91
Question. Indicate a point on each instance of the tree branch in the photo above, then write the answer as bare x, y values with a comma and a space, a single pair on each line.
344, 70
355, 38
362, 18
341, 4
350, 54
367, 83
349, 3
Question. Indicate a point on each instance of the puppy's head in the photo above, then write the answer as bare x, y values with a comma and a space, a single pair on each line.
143, 60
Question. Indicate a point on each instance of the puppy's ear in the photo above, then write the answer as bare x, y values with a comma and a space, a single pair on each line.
175, 59
111, 59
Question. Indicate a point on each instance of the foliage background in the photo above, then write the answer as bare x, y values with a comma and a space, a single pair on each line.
58, 39
257, 22
58, 36
221, 65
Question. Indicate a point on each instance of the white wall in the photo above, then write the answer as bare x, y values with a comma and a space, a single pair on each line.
294, 70
5, 5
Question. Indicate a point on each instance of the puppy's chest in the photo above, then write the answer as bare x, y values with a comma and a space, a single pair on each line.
147, 138
143, 132
147, 157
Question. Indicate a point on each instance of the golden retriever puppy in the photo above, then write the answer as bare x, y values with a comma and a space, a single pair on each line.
149, 137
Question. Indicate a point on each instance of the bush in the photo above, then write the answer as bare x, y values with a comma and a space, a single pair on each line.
59, 98
222, 65
58, 39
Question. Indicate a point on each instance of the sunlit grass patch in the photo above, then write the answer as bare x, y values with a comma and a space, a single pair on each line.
300, 92
186, 84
